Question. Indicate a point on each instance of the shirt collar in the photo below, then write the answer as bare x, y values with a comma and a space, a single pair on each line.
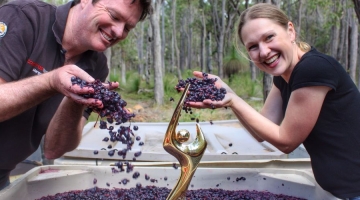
61, 16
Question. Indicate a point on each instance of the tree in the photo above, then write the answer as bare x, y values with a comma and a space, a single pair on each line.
156, 49
219, 23
353, 49
175, 59
4, 1
357, 8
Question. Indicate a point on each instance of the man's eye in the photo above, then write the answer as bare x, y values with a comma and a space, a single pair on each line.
112, 16
269, 37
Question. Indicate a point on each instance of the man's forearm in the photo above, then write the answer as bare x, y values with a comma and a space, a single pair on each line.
65, 128
18, 96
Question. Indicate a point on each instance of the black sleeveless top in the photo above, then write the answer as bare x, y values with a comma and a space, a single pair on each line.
334, 143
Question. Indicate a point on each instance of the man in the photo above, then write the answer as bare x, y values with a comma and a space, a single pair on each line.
42, 47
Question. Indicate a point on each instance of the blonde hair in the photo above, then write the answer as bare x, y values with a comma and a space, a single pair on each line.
268, 11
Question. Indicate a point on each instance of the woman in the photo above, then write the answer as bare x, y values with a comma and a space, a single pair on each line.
312, 101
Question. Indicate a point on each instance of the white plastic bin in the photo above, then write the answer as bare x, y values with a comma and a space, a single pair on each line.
227, 140
276, 176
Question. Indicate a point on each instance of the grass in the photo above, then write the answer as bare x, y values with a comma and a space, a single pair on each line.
143, 105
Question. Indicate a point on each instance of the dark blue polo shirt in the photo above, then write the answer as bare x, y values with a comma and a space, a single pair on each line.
30, 44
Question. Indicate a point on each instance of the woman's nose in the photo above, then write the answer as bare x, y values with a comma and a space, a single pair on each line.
264, 50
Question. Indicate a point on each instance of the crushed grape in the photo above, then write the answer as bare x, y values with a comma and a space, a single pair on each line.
161, 193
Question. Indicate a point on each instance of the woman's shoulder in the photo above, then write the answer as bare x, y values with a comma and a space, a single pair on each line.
316, 56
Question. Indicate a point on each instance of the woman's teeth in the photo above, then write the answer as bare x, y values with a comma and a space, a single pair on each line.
271, 60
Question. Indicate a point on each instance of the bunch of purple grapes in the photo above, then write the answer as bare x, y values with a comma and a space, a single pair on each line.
201, 89
114, 111
114, 106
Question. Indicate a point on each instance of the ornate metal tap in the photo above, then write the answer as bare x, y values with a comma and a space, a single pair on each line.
188, 155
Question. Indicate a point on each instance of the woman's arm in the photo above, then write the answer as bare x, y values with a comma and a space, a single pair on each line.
301, 115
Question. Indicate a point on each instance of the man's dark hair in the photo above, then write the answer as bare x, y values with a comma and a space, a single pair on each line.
145, 4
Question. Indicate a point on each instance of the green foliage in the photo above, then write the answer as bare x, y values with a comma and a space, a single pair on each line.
114, 77
241, 83
234, 63
170, 80
244, 87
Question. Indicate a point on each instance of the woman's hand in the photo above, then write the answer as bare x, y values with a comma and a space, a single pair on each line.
207, 103
219, 83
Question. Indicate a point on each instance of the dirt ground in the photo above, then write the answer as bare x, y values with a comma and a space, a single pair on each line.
146, 111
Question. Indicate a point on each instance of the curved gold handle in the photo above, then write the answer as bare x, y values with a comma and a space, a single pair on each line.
189, 155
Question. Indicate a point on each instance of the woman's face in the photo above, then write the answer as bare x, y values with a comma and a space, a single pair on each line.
270, 46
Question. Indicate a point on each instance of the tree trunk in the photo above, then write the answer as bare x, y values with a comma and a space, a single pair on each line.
183, 42
342, 47
148, 55
253, 71
189, 38
123, 67
140, 47
267, 84
298, 28
219, 28
176, 64
353, 45
163, 38
108, 57
158, 74
335, 34
203, 43
357, 9
358, 61
345, 56
4, 1
209, 54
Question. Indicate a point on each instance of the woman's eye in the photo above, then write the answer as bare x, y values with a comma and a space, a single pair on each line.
252, 47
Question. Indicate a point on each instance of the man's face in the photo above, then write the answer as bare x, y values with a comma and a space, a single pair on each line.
107, 22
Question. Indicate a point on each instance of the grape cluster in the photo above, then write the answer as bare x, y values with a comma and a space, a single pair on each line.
113, 111
114, 106
201, 89
161, 193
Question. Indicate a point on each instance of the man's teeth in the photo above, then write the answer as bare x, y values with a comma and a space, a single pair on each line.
272, 59
105, 36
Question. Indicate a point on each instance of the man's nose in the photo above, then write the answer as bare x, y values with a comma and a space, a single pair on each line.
119, 31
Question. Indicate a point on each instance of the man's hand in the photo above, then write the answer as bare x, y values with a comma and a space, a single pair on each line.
61, 82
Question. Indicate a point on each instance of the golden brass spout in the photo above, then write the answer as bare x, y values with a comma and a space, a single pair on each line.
188, 155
